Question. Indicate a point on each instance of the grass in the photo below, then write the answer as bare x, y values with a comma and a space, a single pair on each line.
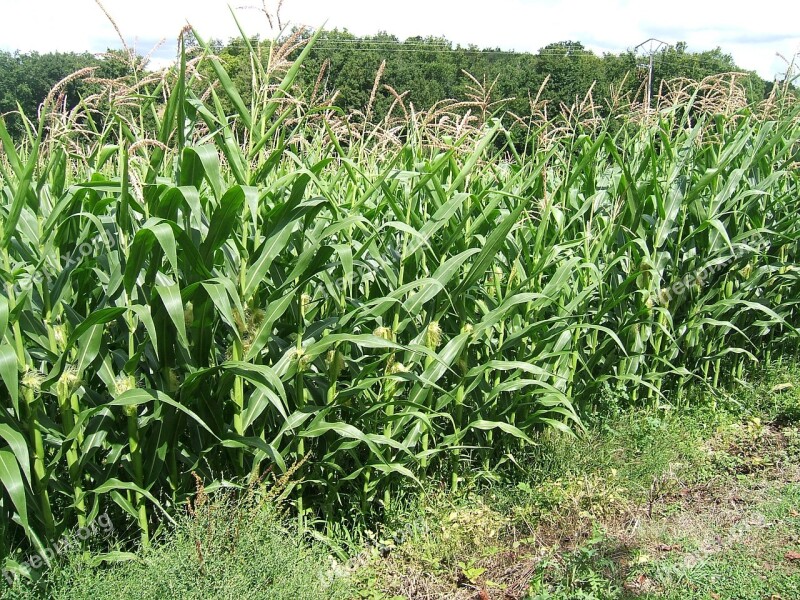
747, 558
231, 545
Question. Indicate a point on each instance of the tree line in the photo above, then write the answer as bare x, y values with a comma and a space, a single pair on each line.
432, 69
429, 69
27, 78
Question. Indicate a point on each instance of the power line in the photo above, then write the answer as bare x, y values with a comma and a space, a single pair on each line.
463, 51
386, 46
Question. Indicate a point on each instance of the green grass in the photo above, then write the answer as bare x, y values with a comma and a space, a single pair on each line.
232, 546
755, 566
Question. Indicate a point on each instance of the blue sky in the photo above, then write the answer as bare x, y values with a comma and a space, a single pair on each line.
753, 33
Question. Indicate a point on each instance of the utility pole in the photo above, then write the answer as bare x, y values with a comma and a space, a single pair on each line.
651, 46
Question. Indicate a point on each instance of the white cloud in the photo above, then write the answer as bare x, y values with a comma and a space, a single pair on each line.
752, 36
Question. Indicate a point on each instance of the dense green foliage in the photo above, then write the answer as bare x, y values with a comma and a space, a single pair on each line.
227, 547
429, 69
26, 80
564, 510
647, 504
261, 288
432, 69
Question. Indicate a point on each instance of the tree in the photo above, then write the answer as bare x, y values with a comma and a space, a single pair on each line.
27, 78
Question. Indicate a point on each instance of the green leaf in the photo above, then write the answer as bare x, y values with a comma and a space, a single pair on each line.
171, 297
18, 444
9, 373
223, 222
113, 485
201, 162
12, 481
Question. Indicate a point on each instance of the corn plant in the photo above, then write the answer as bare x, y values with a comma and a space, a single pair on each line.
222, 285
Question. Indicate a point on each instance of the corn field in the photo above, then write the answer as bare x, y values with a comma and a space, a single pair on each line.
201, 284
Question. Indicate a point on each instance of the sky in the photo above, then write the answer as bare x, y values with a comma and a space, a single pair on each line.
753, 33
